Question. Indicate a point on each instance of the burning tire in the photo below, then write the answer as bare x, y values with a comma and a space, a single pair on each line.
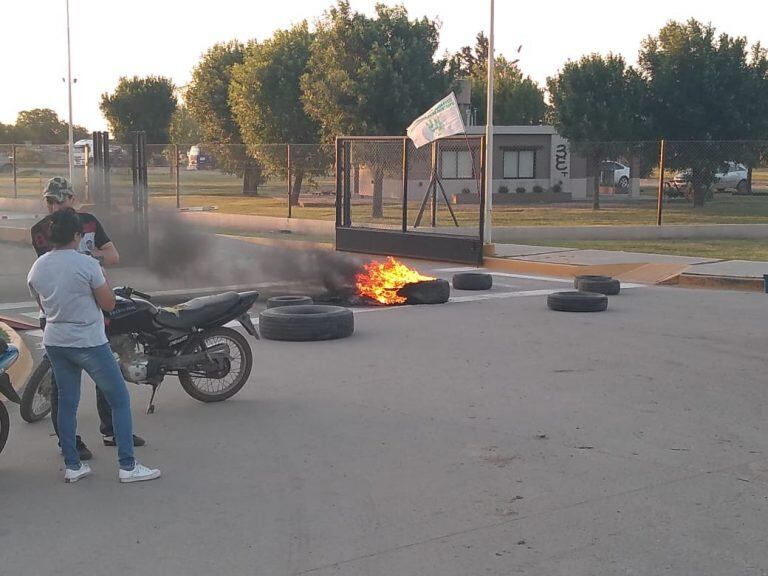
434, 291
472, 281
307, 322
578, 279
607, 286
277, 301
577, 302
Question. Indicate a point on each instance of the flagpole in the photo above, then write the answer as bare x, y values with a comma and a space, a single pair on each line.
488, 228
71, 138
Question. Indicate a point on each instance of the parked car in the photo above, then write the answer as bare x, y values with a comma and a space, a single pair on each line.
6, 162
199, 159
734, 178
118, 156
616, 174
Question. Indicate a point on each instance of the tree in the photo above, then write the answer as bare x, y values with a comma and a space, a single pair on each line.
517, 100
372, 76
265, 98
597, 103
41, 126
140, 104
184, 128
208, 100
7, 133
706, 87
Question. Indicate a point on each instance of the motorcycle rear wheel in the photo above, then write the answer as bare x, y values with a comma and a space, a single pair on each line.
5, 425
218, 387
36, 400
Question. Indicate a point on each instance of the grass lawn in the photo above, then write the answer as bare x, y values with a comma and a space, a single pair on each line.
211, 187
722, 248
724, 209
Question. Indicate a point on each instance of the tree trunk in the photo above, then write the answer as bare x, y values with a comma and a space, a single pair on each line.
749, 179
251, 180
296, 187
378, 193
699, 189
596, 184
356, 180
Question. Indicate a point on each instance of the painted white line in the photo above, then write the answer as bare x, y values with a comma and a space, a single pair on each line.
461, 269
529, 277
501, 295
17, 305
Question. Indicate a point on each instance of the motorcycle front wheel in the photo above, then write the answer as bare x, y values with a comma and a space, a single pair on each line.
36, 399
5, 425
215, 387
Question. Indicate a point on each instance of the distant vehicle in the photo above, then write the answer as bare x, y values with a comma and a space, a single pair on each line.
619, 172
6, 162
734, 179
197, 159
117, 154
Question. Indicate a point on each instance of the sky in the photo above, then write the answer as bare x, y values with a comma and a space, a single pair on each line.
110, 38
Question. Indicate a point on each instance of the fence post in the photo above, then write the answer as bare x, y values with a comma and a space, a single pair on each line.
660, 201
288, 172
13, 164
176, 176
86, 178
338, 174
405, 185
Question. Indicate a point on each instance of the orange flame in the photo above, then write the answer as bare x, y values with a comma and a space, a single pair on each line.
382, 280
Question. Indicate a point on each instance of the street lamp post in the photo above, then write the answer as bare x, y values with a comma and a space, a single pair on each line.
69, 91
488, 230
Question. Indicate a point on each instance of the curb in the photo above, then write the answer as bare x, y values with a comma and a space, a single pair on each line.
22, 368
15, 235
739, 283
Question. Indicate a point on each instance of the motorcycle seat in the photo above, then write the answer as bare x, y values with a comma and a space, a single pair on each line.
198, 311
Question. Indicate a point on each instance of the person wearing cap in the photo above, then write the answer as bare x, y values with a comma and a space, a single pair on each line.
74, 293
94, 242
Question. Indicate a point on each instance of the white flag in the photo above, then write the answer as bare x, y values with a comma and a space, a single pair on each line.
443, 119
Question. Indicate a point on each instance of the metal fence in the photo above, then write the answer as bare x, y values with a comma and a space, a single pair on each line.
394, 198
636, 182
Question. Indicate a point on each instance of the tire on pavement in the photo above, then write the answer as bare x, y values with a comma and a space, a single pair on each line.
472, 281
578, 279
306, 322
434, 291
609, 287
577, 301
277, 301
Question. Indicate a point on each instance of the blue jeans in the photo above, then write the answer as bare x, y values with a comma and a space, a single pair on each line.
99, 363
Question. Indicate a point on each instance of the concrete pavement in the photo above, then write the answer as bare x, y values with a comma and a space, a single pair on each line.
478, 437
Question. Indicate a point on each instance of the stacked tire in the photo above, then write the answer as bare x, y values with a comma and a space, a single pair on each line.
591, 294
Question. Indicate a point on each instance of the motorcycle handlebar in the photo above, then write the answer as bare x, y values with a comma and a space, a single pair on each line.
127, 292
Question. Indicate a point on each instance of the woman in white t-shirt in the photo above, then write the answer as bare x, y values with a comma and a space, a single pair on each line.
72, 291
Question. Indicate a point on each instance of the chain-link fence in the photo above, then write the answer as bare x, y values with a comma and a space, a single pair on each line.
535, 181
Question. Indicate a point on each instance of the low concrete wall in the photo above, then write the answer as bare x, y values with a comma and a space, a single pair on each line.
522, 234
251, 223
34, 205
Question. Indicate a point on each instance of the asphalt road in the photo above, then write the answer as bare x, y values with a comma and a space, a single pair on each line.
478, 437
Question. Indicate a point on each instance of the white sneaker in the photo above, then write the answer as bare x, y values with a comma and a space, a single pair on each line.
75, 475
138, 474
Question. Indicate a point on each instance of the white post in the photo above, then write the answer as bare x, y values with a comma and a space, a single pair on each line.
488, 230
69, 89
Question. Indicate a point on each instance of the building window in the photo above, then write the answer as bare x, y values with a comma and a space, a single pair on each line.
519, 164
456, 165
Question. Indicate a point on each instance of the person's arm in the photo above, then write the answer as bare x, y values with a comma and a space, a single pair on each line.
102, 292
107, 255
105, 251
105, 298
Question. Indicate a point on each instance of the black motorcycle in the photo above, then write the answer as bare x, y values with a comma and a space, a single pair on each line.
8, 355
213, 362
